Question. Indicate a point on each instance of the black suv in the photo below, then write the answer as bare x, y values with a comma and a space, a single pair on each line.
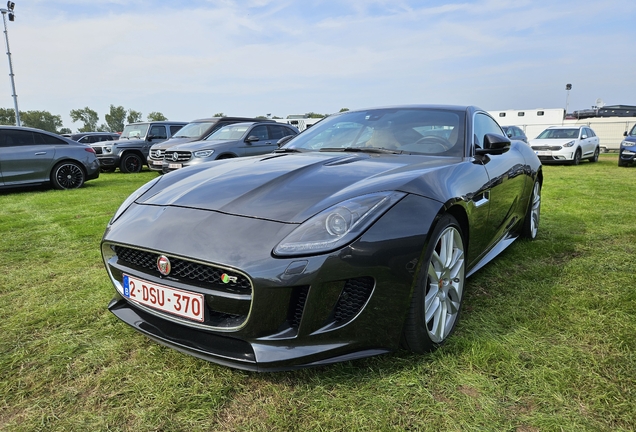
130, 151
196, 130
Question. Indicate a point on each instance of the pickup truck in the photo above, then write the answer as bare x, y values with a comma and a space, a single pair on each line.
130, 152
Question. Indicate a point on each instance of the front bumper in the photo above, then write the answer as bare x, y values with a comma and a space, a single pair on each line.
293, 312
627, 155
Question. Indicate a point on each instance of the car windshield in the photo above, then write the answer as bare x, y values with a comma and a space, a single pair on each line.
400, 130
633, 131
132, 131
193, 130
230, 132
559, 134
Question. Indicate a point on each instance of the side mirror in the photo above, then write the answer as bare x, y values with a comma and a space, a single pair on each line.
251, 139
625, 133
494, 144
583, 136
150, 138
284, 140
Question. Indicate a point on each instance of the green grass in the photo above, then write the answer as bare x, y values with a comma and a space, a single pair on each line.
546, 340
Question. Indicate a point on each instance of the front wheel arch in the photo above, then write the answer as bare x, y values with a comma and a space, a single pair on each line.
439, 288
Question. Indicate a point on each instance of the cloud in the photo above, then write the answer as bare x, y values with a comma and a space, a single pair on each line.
191, 59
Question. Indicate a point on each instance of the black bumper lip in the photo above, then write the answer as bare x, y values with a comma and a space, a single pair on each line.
227, 351
236, 353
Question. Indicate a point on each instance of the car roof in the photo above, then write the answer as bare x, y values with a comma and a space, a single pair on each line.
165, 122
235, 119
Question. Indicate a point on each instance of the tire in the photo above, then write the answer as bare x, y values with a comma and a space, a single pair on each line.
67, 175
437, 296
577, 157
131, 163
533, 215
594, 158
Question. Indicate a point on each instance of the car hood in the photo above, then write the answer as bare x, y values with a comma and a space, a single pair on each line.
551, 142
291, 188
172, 142
200, 145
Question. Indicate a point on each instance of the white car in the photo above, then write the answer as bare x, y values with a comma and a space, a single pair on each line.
566, 144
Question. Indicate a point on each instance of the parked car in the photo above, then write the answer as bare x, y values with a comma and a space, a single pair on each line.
515, 133
92, 137
356, 235
627, 151
130, 151
566, 144
196, 130
32, 157
238, 139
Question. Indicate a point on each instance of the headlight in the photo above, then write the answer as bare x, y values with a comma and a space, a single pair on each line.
132, 198
568, 144
628, 143
338, 225
107, 149
203, 153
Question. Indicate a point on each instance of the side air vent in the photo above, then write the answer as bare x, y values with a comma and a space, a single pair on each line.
354, 296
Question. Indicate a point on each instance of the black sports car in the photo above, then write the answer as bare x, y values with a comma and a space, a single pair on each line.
354, 237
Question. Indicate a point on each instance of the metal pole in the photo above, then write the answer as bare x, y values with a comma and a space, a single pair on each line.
15, 96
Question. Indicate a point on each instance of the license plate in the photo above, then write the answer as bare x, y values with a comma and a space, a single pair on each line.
543, 153
157, 162
174, 166
185, 304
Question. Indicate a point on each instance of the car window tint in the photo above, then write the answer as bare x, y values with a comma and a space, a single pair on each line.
276, 132
40, 138
260, 132
158, 132
19, 138
288, 131
484, 125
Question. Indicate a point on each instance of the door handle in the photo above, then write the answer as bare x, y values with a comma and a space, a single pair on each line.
40, 153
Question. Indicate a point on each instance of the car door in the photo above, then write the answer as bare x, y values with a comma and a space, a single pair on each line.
26, 156
592, 139
506, 182
263, 145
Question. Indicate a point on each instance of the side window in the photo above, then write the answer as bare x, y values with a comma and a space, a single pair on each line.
287, 131
47, 139
158, 132
484, 125
276, 132
174, 129
19, 138
260, 132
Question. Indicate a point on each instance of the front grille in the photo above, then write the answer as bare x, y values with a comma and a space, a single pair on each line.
352, 299
206, 276
177, 156
551, 148
156, 154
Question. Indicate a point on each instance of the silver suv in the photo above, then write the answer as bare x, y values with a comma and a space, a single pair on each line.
234, 140
196, 130
130, 151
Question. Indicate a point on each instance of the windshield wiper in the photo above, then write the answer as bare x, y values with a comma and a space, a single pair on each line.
288, 150
361, 150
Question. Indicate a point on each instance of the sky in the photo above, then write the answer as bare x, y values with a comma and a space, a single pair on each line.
192, 59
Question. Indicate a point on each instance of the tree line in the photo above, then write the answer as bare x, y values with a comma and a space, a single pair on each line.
116, 119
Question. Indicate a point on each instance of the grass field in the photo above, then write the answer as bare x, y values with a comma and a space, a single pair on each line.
546, 341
